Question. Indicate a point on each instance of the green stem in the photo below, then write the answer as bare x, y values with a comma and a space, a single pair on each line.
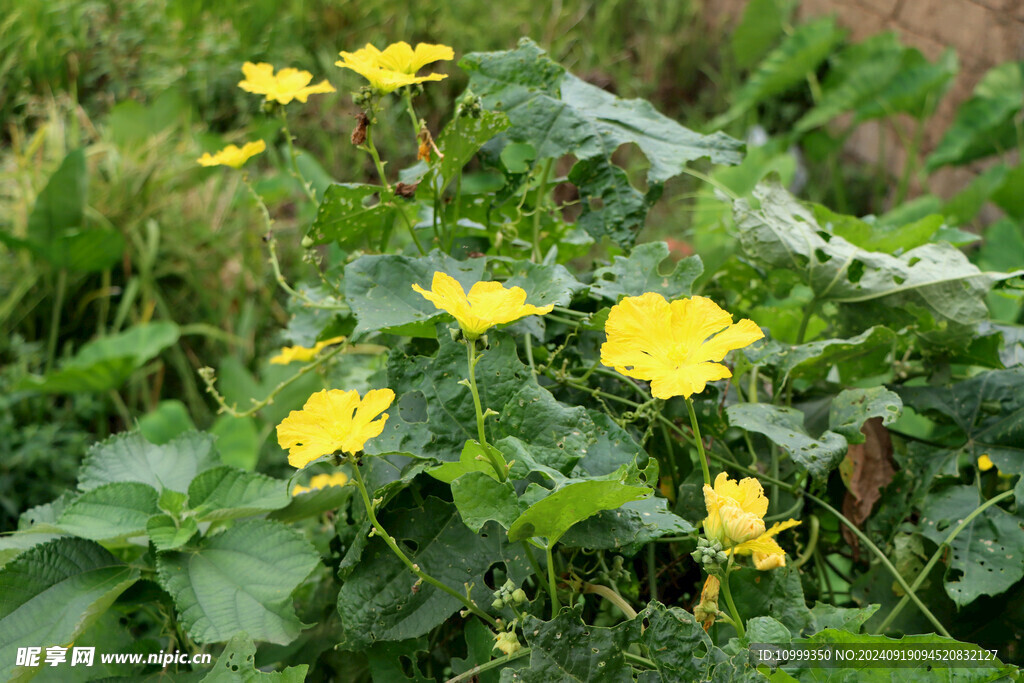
552, 584
293, 157
808, 311
938, 553
652, 576
700, 442
51, 343
412, 114
371, 148
413, 567
541, 191
637, 659
737, 621
812, 543
612, 597
471, 357
412, 231
493, 664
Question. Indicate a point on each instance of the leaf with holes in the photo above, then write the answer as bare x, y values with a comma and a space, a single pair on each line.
640, 272
480, 499
240, 581
785, 428
237, 664
464, 136
851, 408
985, 556
129, 457
349, 213
628, 528
863, 353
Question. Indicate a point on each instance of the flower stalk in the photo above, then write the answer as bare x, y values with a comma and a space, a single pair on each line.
699, 441
472, 359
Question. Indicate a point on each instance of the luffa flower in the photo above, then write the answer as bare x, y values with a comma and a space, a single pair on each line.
676, 346
287, 85
487, 304
396, 65
322, 481
333, 420
736, 518
290, 354
232, 155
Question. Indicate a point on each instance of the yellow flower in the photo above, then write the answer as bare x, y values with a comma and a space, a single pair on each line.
488, 303
767, 553
671, 344
333, 420
396, 65
735, 510
289, 84
232, 155
707, 609
322, 481
507, 642
985, 463
290, 354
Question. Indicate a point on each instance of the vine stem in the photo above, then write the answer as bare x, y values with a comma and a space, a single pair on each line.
493, 664
612, 597
552, 585
293, 157
700, 442
938, 553
737, 621
413, 567
472, 359
541, 191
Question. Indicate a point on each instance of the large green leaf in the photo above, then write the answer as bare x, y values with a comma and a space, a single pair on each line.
52, 593
675, 643
818, 358
640, 272
240, 581
550, 517
543, 283
776, 593
984, 124
348, 213
985, 557
480, 499
129, 457
760, 26
110, 511
915, 89
851, 408
226, 493
108, 362
379, 290
938, 278
377, 601
464, 136
237, 664
628, 528
785, 428
567, 649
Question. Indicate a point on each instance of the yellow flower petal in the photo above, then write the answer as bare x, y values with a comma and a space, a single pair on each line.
488, 303
322, 481
289, 84
985, 463
396, 65
290, 354
735, 510
675, 346
232, 155
768, 554
333, 420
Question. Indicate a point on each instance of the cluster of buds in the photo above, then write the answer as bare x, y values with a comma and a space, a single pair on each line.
507, 642
469, 106
709, 554
508, 593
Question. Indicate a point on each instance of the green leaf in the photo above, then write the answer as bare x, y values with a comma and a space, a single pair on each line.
129, 457
472, 459
759, 28
851, 408
984, 124
111, 511
1010, 195
376, 601
237, 664
984, 557
543, 283
348, 213
776, 593
312, 504
108, 362
819, 357
169, 419
480, 499
567, 649
938, 278
167, 533
238, 441
627, 529
379, 290
675, 642
785, 428
640, 272
464, 136
226, 493
240, 581
612, 206
550, 517
388, 661
915, 89
52, 593
786, 66
850, 619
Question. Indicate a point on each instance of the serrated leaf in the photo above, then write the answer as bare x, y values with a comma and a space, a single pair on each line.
388, 661
348, 213
640, 272
167, 534
129, 457
785, 428
551, 517
240, 581
613, 207
377, 603
237, 664
464, 136
226, 493
851, 408
480, 499
111, 511
379, 290
985, 557
52, 593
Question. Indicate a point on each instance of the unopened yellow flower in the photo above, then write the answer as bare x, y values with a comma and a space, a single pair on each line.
706, 611
985, 463
290, 354
735, 510
289, 84
396, 65
322, 481
677, 346
232, 155
507, 642
333, 420
488, 303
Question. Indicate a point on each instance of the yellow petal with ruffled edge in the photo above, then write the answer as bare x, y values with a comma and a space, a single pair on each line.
322, 481
232, 155
287, 85
290, 354
396, 65
487, 304
333, 420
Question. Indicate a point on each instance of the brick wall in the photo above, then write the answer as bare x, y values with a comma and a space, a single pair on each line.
983, 32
